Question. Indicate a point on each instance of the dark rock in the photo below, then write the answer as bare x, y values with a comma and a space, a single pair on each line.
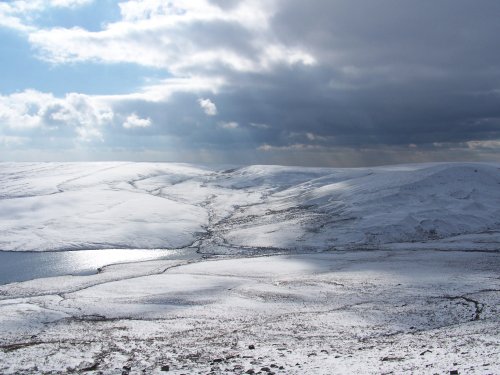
266, 369
250, 371
128, 368
274, 365
281, 368
392, 359
165, 368
454, 372
252, 347
92, 367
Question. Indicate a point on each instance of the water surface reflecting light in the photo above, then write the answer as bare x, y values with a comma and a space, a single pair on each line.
21, 266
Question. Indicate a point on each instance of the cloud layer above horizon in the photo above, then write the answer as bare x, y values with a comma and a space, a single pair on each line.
334, 83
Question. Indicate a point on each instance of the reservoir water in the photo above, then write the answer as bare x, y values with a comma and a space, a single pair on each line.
22, 266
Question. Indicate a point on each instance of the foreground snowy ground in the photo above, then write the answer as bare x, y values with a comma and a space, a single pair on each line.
322, 271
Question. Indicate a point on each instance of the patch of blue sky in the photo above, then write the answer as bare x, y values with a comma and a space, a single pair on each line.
92, 16
21, 70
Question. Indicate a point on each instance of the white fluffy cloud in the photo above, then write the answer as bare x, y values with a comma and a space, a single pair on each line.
19, 14
134, 121
208, 107
164, 89
69, 3
182, 37
31, 110
25, 110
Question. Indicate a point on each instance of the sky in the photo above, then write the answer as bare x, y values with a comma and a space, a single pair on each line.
318, 83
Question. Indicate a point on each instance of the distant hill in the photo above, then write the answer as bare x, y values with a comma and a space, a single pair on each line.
61, 206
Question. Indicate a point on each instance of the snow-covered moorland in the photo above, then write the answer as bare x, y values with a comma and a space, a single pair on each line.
292, 270
51, 206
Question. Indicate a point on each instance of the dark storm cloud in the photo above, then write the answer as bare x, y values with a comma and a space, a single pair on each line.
398, 71
445, 33
387, 73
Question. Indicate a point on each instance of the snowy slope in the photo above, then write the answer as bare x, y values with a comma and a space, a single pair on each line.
88, 206
362, 312
383, 309
57, 206
375, 207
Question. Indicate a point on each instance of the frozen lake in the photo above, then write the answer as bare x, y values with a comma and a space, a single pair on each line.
22, 266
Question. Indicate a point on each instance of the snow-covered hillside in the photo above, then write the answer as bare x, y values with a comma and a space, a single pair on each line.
344, 312
60, 206
282, 270
376, 208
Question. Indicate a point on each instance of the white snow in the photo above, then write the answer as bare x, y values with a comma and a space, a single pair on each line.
325, 271
147, 205
95, 208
